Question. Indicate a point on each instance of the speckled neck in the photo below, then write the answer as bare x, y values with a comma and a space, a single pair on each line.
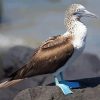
74, 25
76, 28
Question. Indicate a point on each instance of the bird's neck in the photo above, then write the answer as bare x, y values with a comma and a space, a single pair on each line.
77, 29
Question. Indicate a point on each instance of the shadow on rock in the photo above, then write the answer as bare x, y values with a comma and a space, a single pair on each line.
85, 83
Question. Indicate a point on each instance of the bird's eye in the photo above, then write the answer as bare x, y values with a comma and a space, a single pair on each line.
79, 12
75, 13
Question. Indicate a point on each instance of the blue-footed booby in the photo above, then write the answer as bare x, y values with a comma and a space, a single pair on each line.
58, 52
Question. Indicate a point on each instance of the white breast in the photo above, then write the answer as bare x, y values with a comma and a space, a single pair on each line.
80, 33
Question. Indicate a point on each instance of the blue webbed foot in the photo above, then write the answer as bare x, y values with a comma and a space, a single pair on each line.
71, 84
65, 88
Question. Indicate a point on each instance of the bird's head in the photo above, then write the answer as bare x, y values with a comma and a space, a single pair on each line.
78, 11
75, 13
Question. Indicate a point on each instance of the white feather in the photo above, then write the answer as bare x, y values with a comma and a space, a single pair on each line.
80, 33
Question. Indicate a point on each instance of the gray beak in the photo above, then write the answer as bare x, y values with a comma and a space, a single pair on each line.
89, 14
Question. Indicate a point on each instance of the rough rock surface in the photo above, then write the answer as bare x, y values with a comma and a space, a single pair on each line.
90, 90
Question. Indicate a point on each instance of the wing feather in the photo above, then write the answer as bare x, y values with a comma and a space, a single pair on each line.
48, 58
52, 42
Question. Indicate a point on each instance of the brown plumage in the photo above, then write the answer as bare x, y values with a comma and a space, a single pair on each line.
48, 58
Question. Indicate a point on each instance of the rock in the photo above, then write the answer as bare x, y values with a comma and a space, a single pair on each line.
2, 73
41, 93
15, 57
86, 66
90, 90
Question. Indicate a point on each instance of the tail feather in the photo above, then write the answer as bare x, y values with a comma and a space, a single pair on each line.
9, 83
16, 77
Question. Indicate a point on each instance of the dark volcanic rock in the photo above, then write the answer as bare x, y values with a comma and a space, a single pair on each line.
15, 57
54, 93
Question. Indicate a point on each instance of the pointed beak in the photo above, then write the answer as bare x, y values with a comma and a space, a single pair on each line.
89, 14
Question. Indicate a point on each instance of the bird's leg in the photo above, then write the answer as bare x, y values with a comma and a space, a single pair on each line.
65, 88
70, 84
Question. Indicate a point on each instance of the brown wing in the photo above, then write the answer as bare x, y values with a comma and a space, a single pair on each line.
49, 57
53, 41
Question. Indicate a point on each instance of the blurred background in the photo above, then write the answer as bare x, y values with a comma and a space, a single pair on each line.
29, 22
24, 24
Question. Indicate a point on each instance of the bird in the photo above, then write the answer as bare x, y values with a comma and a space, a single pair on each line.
58, 52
